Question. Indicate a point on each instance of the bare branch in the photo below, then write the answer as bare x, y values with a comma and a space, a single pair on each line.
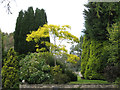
7, 5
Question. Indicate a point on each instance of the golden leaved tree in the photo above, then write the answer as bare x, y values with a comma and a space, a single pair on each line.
56, 32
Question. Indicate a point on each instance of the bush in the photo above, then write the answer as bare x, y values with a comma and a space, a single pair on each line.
33, 69
117, 81
10, 78
55, 70
57, 76
39, 68
71, 75
111, 73
49, 58
60, 78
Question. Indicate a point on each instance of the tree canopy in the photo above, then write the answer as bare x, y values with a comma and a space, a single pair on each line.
100, 42
56, 32
27, 22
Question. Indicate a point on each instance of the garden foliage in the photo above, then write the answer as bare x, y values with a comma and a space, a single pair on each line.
10, 74
38, 68
58, 33
100, 50
33, 69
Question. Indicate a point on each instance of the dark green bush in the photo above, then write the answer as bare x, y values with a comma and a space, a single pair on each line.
112, 73
60, 78
49, 58
71, 75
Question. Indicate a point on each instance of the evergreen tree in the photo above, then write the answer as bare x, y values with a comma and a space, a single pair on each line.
113, 63
97, 17
94, 65
85, 54
27, 22
40, 20
19, 27
28, 25
10, 77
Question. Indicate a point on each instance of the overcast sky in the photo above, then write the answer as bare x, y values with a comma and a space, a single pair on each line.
59, 12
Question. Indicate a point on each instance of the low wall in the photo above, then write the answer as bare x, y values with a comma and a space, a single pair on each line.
66, 86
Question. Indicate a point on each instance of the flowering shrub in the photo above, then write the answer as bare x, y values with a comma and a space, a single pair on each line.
33, 69
38, 68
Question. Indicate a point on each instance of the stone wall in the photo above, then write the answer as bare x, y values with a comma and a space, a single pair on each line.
66, 86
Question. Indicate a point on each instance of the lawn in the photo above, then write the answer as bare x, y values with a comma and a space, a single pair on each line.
84, 81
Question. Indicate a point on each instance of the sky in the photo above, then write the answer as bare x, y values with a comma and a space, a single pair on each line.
59, 12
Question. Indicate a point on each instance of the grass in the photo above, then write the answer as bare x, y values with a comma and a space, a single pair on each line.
84, 81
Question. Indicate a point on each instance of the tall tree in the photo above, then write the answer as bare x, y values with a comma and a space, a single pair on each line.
97, 17
18, 28
28, 21
85, 54
113, 63
58, 33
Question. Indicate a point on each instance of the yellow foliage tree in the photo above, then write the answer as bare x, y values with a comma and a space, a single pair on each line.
56, 32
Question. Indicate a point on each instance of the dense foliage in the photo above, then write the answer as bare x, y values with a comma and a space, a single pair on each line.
28, 21
113, 63
33, 69
85, 53
7, 43
76, 50
39, 68
58, 33
10, 76
100, 50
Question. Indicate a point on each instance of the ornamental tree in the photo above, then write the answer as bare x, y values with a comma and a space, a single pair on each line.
58, 34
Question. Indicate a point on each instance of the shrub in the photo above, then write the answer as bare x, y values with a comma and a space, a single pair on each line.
111, 73
117, 81
57, 76
60, 78
49, 58
55, 70
71, 75
33, 69
10, 78
36, 68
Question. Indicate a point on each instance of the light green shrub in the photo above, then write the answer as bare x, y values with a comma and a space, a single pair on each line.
10, 76
33, 69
